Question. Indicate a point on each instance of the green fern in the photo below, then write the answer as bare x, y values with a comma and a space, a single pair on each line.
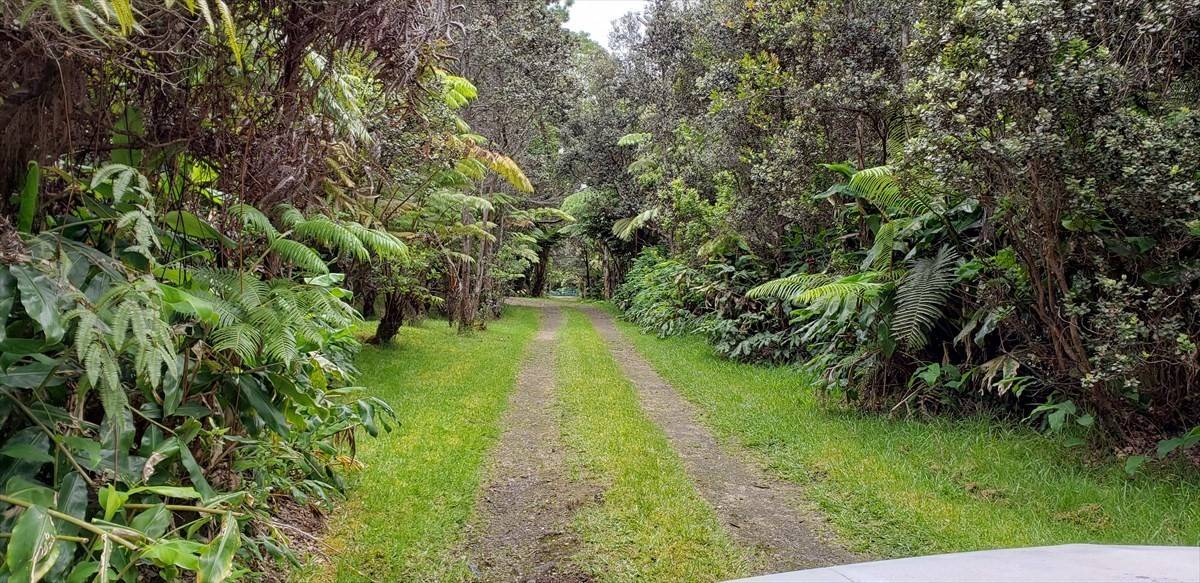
253, 219
331, 234
299, 254
879, 186
242, 339
382, 243
625, 229
921, 297
787, 288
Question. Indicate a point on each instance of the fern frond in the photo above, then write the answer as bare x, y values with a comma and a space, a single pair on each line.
921, 297
253, 219
879, 186
299, 254
241, 339
332, 235
289, 216
383, 243
787, 288
879, 257
624, 229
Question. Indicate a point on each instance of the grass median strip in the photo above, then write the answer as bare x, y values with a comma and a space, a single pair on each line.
911, 487
408, 505
651, 524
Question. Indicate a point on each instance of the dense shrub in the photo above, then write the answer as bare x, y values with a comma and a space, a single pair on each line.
976, 205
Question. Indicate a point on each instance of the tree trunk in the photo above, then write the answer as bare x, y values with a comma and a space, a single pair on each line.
393, 318
538, 288
368, 303
587, 273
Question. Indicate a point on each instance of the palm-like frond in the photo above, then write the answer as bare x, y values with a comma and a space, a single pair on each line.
787, 288
331, 234
879, 186
299, 254
383, 243
625, 229
921, 297
243, 339
253, 219
879, 256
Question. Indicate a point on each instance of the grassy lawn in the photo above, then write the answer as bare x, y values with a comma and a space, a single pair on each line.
651, 525
907, 487
408, 506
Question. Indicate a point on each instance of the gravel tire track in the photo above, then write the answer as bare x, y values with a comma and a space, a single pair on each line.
758, 510
523, 528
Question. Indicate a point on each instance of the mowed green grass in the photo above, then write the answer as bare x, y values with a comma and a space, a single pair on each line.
911, 487
407, 507
651, 524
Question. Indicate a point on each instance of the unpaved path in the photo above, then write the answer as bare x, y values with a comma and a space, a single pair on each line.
759, 511
523, 531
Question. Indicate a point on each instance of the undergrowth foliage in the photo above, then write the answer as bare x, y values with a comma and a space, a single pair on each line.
956, 207
198, 190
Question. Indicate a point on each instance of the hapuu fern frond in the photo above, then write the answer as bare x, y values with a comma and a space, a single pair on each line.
879, 186
625, 229
253, 219
331, 234
921, 297
299, 254
383, 243
787, 288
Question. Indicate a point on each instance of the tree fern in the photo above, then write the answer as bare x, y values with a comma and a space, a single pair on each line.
242, 339
921, 297
878, 185
331, 234
299, 254
879, 256
787, 288
382, 243
625, 229
253, 219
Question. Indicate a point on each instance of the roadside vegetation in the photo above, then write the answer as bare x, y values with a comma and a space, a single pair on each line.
198, 202
417, 486
944, 208
897, 487
650, 525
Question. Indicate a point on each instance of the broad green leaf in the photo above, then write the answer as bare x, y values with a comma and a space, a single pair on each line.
183, 492
153, 521
72, 498
1134, 463
27, 452
40, 296
8, 296
83, 572
216, 561
31, 376
30, 491
112, 500
260, 401
195, 472
181, 553
189, 224
31, 550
